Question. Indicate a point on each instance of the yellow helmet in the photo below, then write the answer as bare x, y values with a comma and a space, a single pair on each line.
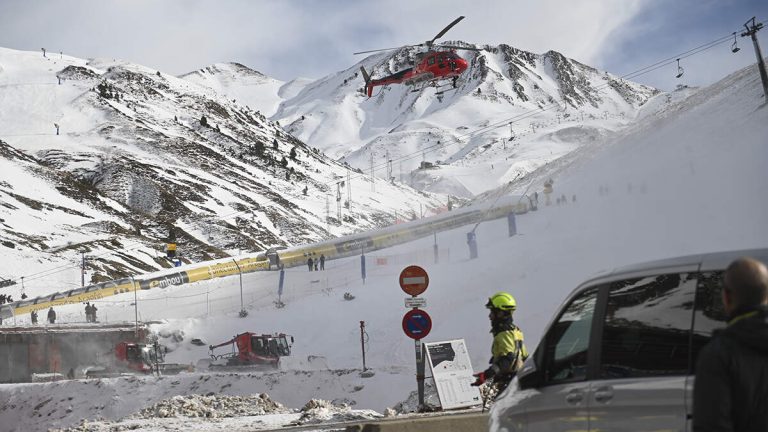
502, 301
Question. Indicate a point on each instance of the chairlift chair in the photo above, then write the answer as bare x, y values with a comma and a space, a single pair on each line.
734, 48
680, 70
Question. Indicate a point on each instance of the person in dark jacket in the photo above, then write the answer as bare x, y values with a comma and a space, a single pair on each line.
310, 263
51, 316
731, 387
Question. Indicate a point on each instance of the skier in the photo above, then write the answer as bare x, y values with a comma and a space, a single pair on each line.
93, 313
508, 349
87, 312
51, 316
309, 263
33, 315
322, 261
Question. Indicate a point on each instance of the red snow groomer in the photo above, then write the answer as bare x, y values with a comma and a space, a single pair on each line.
252, 351
136, 358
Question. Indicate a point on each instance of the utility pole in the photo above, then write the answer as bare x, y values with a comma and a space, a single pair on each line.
243, 312
135, 306
82, 268
349, 193
752, 31
327, 213
338, 201
373, 182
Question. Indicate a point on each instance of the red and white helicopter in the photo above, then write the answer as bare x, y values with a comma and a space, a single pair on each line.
439, 62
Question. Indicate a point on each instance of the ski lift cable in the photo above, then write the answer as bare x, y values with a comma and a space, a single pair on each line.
642, 71
638, 72
478, 132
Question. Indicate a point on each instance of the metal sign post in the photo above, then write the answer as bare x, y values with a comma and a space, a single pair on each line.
420, 372
416, 323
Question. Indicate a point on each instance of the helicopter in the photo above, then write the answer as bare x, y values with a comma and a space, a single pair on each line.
438, 63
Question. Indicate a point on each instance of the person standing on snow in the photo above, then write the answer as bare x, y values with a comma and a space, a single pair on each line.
508, 349
309, 263
731, 385
51, 316
322, 261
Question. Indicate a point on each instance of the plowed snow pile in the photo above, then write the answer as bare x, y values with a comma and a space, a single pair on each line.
220, 412
212, 407
321, 411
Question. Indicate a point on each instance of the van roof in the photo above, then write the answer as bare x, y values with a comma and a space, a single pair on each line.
698, 262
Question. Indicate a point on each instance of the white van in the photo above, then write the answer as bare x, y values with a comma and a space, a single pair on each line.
621, 351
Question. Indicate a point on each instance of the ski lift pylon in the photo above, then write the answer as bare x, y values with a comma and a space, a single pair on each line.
734, 48
680, 70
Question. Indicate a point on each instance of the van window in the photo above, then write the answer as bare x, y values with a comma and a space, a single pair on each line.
567, 342
647, 326
710, 314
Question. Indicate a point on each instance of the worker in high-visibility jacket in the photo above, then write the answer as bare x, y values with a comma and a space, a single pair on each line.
170, 250
508, 348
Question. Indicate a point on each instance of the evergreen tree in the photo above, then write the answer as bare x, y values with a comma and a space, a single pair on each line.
258, 148
103, 90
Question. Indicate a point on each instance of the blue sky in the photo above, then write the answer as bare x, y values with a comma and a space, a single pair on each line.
286, 39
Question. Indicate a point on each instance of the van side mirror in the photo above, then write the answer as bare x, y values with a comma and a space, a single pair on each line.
529, 375
530, 380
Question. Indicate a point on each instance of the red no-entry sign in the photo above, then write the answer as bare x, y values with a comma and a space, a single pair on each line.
417, 324
414, 280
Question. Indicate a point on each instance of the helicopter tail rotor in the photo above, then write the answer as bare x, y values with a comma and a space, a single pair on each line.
367, 78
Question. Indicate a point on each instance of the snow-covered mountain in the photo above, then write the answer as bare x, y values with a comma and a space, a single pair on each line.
250, 87
114, 159
512, 112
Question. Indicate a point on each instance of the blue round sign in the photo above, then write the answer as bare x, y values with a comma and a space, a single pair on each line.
417, 324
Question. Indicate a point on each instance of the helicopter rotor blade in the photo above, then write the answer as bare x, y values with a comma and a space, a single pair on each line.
448, 27
385, 49
459, 48
376, 50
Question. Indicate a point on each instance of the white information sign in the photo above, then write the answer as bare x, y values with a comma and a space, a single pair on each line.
452, 372
415, 302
